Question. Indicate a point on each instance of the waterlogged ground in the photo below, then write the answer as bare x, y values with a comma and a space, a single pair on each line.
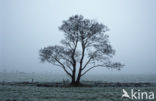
32, 93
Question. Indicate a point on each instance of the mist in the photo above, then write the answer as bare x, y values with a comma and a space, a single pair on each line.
29, 25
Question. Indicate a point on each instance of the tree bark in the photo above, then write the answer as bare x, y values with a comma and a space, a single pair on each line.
79, 77
73, 76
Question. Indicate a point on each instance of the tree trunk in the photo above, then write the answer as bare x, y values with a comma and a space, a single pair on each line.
73, 78
73, 81
76, 82
79, 77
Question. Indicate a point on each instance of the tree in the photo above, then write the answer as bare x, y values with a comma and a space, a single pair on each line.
86, 46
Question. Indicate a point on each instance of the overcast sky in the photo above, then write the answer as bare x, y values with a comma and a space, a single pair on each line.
28, 25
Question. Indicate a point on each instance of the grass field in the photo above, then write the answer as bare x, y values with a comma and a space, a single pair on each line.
33, 93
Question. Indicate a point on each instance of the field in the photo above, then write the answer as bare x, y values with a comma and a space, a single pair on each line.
33, 93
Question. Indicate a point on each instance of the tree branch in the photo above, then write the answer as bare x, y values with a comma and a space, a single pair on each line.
63, 67
92, 68
73, 53
67, 59
87, 63
53, 63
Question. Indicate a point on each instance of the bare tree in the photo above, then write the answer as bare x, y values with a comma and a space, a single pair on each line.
86, 46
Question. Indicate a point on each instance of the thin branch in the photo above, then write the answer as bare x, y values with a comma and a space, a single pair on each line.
70, 46
89, 60
92, 68
53, 63
67, 59
70, 68
87, 63
62, 65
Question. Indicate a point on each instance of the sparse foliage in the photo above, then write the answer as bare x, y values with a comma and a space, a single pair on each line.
86, 46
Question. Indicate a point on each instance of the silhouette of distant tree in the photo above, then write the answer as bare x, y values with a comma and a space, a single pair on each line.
86, 46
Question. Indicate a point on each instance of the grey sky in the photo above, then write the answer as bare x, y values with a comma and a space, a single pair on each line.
28, 25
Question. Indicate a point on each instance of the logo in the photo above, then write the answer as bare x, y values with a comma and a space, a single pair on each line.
125, 94
137, 94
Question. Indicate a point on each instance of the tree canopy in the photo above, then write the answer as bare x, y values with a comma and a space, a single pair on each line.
85, 46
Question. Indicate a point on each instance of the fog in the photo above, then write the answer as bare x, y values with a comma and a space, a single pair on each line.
29, 25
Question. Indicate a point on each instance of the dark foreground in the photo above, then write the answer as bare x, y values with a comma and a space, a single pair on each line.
27, 91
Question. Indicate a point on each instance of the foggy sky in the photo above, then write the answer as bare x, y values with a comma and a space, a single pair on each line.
29, 25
